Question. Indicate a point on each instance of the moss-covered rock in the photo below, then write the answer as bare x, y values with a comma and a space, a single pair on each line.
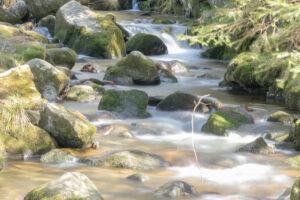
167, 76
221, 121
67, 129
88, 32
138, 178
281, 116
220, 52
277, 136
7, 16
1, 162
176, 189
295, 193
82, 93
132, 103
111, 4
97, 88
162, 21
19, 9
49, 22
64, 57
70, 186
140, 68
293, 162
147, 44
130, 159
118, 76
57, 156
257, 146
49, 80
6, 62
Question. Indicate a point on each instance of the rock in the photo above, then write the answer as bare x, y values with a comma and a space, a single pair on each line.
33, 116
66, 71
7, 16
281, 116
179, 101
65, 57
72, 185
111, 4
7, 62
155, 100
42, 8
178, 67
138, 178
162, 21
293, 162
140, 68
130, 159
49, 22
132, 103
294, 135
97, 88
295, 193
67, 129
53, 46
89, 68
120, 131
277, 136
57, 156
176, 189
167, 77
82, 93
118, 76
147, 44
19, 9
213, 102
49, 80
88, 32
257, 146
221, 121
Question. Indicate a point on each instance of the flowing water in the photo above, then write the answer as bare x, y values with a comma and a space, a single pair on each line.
222, 175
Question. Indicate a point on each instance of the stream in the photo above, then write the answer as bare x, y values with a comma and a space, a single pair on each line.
222, 175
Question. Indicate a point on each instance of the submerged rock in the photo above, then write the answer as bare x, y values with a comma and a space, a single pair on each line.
257, 146
147, 44
138, 177
82, 93
67, 128
64, 57
57, 156
130, 159
221, 121
72, 185
88, 32
118, 76
281, 116
132, 103
167, 77
176, 189
141, 69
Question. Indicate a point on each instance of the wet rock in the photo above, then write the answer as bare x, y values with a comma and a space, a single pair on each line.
49, 22
7, 16
257, 146
162, 21
147, 44
176, 189
72, 185
277, 136
49, 80
281, 116
138, 178
89, 68
64, 57
65, 127
212, 102
221, 121
295, 193
155, 100
167, 77
121, 131
99, 35
294, 135
69, 73
293, 162
178, 67
118, 76
132, 103
57, 156
82, 93
131, 159
141, 69
97, 88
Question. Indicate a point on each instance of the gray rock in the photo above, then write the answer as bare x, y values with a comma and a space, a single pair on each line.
57, 156
257, 146
138, 177
82, 93
176, 189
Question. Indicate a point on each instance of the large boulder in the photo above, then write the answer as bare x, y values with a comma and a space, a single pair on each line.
65, 127
19, 9
223, 120
57, 156
111, 4
295, 193
82, 93
118, 76
72, 185
132, 103
42, 8
176, 189
49, 80
147, 44
64, 57
88, 32
140, 68
130, 159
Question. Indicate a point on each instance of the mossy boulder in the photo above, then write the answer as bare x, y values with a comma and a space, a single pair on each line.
141, 69
147, 44
65, 127
97, 88
82, 93
176, 189
7, 62
57, 156
222, 121
111, 4
167, 76
7, 16
131, 159
132, 103
42, 8
88, 32
64, 57
72, 185
118, 76
295, 193
257, 146
220, 52
19, 9
281, 116
49, 22
162, 21
49, 80
1, 162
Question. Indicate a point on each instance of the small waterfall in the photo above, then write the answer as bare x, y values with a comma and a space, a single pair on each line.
135, 5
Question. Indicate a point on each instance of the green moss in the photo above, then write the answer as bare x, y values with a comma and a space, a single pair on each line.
61, 56
162, 21
118, 76
281, 116
37, 36
6, 62
220, 52
82, 93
